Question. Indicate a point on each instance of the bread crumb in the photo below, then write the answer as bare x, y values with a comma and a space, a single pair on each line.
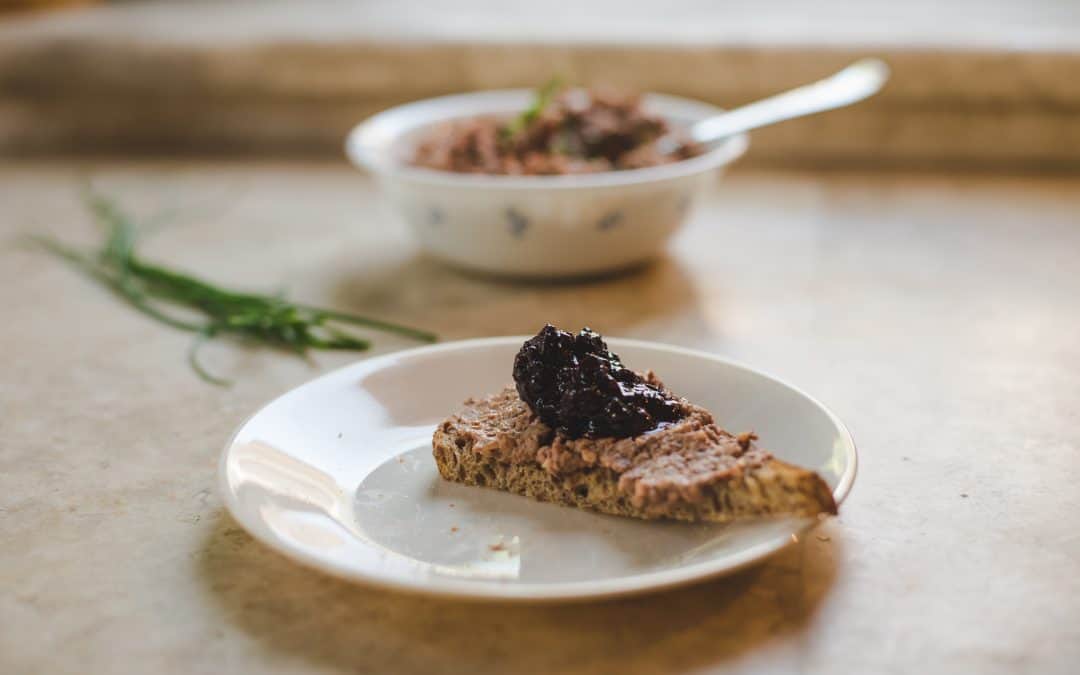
497, 547
453, 529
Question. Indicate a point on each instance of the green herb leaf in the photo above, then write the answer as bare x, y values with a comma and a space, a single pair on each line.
541, 101
266, 319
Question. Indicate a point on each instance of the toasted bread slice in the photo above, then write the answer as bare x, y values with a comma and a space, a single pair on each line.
690, 470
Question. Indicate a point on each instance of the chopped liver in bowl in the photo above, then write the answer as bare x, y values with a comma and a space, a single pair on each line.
577, 131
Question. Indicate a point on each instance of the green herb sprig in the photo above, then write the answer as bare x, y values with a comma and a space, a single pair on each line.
544, 95
152, 289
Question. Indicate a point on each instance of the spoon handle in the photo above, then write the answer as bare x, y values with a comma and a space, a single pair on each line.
852, 84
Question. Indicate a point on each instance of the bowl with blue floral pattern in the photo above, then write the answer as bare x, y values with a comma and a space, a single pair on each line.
535, 226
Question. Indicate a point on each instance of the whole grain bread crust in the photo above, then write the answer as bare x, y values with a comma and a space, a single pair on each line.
767, 488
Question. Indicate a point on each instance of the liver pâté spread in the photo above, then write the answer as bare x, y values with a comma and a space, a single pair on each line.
573, 131
576, 406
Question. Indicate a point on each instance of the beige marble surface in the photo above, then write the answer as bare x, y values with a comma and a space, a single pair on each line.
937, 315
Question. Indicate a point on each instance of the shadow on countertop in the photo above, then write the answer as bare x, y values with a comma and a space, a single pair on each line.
459, 304
309, 616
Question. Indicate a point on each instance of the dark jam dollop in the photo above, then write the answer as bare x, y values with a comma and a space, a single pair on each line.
575, 385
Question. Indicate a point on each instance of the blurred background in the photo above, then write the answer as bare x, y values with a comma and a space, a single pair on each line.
986, 84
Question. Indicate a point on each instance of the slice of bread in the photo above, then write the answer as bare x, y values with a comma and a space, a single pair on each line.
691, 471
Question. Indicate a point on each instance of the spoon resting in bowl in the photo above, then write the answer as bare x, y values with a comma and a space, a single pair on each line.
859, 81
574, 225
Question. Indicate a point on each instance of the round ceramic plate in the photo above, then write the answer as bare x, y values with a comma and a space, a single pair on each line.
338, 474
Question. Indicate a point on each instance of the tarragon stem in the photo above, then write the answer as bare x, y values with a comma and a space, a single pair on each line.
266, 319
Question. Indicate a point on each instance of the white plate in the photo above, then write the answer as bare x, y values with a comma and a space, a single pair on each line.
338, 474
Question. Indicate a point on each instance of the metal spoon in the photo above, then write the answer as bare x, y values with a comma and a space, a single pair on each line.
858, 81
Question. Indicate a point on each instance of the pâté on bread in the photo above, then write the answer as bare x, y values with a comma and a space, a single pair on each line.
580, 429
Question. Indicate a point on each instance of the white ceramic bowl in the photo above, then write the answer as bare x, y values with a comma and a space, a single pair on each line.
534, 226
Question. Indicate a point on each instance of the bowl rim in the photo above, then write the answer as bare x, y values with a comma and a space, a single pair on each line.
365, 147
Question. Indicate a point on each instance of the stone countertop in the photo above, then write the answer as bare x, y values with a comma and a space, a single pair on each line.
989, 83
937, 315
